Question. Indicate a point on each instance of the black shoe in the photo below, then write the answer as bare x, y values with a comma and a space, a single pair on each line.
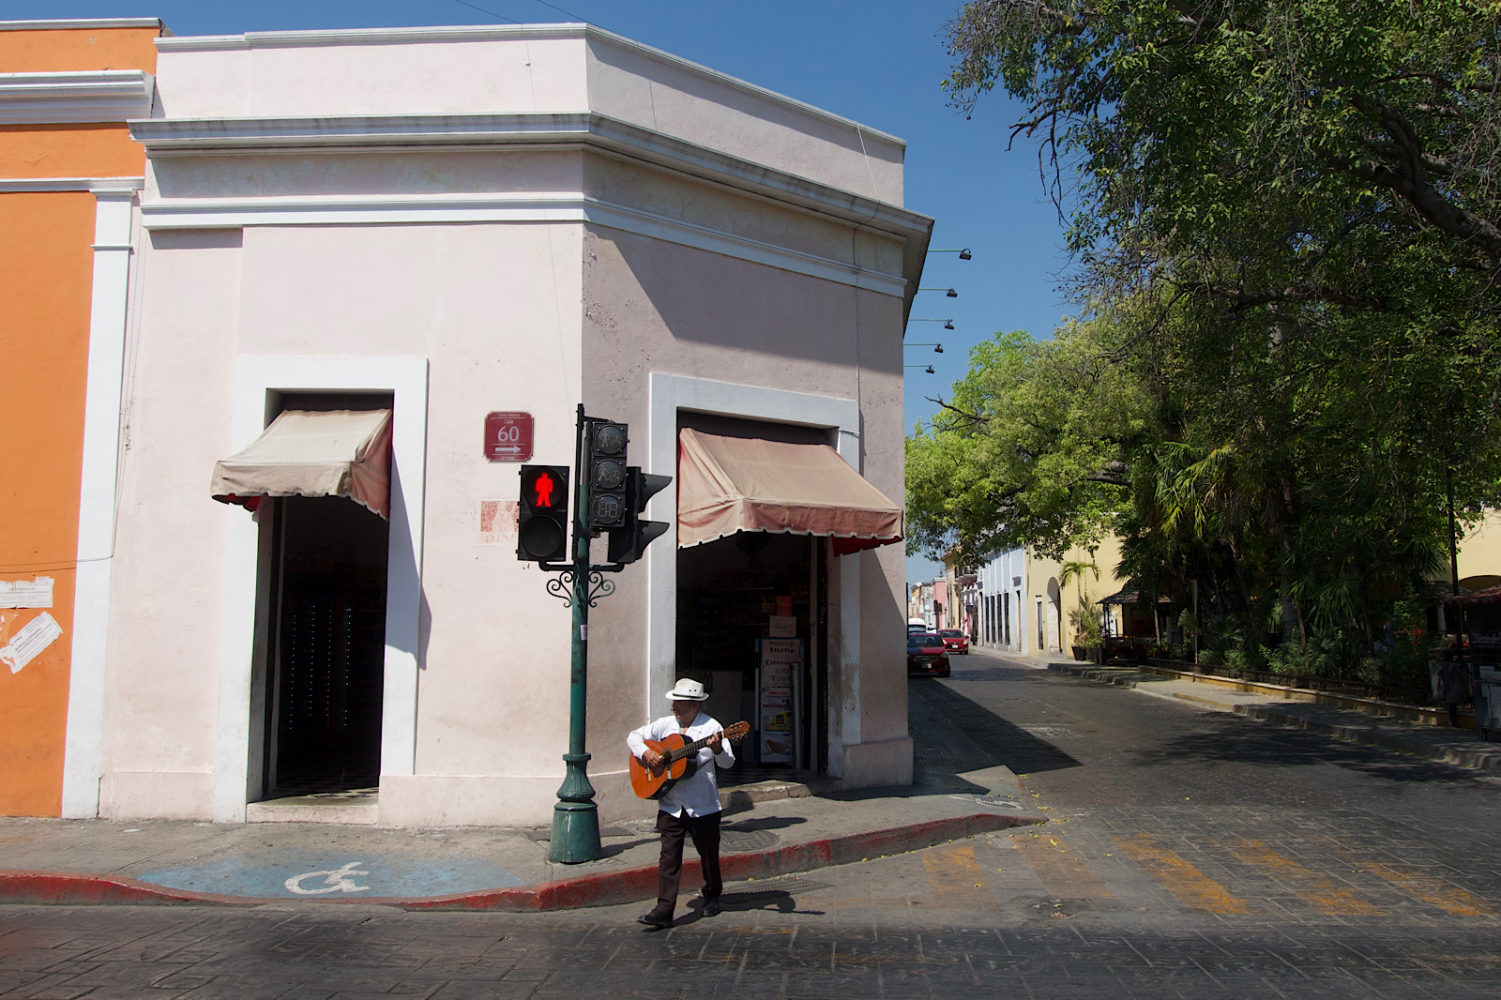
655, 919
711, 908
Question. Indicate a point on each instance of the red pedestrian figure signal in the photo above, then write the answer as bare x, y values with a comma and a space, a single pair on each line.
543, 485
542, 514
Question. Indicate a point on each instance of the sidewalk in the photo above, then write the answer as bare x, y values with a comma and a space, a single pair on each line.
770, 828
1421, 732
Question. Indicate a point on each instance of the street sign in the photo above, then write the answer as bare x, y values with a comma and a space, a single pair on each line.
508, 436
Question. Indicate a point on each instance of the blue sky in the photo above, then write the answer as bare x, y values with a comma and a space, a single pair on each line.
879, 62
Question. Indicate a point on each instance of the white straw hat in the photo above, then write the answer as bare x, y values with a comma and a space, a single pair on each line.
687, 689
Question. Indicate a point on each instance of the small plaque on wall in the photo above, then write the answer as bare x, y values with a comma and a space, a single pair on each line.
508, 436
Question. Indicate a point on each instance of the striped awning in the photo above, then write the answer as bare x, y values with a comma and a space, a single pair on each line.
732, 484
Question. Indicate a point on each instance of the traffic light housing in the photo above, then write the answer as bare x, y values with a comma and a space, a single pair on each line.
604, 458
542, 516
628, 540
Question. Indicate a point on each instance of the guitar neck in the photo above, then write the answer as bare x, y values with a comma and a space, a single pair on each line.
689, 748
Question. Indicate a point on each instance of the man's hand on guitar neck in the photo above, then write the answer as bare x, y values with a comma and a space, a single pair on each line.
655, 762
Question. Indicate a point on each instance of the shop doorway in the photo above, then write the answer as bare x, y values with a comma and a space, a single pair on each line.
325, 637
736, 595
329, 651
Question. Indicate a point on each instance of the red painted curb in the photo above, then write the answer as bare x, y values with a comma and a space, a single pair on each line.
64, 887
641, 883
607, 888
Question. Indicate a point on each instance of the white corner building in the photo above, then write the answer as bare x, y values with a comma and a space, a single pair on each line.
454, 223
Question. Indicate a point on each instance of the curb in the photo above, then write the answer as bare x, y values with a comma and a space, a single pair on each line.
69, 888
1477, 760
630, 885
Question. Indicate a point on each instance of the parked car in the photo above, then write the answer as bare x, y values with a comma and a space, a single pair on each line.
926, 655
955, 640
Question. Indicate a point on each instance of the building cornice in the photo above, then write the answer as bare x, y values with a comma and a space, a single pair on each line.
112, 95
165, 137
94, 185
82, 24
437, 209
325, 37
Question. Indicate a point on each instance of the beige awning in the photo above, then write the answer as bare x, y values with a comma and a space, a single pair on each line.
729, 484
344, 453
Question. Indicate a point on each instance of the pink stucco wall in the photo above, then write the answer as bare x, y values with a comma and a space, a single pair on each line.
528, 276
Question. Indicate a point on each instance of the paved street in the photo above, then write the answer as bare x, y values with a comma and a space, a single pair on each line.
1188, 853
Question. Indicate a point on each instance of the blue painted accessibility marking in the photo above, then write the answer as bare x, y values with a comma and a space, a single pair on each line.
290, 874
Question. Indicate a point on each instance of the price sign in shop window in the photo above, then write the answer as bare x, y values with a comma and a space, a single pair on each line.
781, 666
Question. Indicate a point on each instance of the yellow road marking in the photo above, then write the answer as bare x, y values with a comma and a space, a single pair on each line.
1449, 898
1063, 873
1318, 891
1190, 886
956, 878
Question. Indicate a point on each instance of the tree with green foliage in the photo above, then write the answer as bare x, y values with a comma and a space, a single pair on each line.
1032, 448
1288, 236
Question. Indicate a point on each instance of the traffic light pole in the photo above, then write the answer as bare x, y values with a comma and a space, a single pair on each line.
575, 818
623, 493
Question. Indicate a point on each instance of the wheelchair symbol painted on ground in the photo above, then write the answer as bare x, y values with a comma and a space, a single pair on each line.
334, 880
315, 876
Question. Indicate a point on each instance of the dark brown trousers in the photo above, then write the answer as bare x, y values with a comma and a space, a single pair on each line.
705, 833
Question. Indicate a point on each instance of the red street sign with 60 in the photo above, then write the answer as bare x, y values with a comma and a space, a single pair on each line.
508, 436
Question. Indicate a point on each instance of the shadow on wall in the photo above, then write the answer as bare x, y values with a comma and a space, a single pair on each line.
672, 295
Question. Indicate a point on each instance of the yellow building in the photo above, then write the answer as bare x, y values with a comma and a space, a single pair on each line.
1023, 602
1480, 554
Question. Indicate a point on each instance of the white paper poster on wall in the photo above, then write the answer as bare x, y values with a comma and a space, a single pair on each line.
27, 644
777, 709
33, 593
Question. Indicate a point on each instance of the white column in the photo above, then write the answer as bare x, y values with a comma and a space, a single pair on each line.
83, 755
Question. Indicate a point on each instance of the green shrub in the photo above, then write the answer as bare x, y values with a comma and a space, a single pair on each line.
1405, 663
1329, 654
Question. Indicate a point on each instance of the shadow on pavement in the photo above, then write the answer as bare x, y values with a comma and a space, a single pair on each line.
762, 821
953, 735
767, 899
1235, 739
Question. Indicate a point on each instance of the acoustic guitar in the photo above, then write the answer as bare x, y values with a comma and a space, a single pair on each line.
678, 761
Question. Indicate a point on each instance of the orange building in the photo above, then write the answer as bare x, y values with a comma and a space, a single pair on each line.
69, 177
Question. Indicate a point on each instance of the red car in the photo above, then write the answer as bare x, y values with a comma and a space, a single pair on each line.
926, 655
954, 640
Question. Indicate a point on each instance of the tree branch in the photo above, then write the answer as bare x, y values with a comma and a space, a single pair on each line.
1407, 177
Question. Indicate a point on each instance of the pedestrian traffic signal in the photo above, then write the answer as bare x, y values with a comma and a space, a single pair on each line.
542, 516
627, 541
605, 460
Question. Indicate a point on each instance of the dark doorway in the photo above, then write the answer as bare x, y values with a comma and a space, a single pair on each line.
329, 649
729, 592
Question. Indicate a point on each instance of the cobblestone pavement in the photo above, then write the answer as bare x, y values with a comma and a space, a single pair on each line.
1188, 854
793, 940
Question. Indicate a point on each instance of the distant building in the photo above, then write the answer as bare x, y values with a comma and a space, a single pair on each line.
1024, 601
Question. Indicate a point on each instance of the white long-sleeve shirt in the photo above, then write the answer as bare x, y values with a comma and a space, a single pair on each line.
697, 794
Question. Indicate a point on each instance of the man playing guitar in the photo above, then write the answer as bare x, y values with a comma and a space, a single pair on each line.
690, 806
